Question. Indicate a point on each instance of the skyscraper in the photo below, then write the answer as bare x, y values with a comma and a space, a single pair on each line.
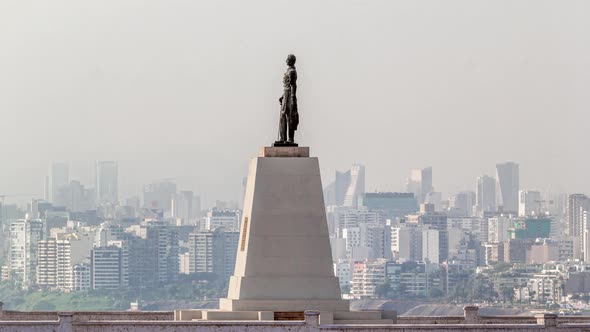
347, 187
577, 205
529, 203
60, 177
508, 184
461, 204
107, 182
356, 187
24, 238
485, 194
182, 207
159, 194
420, 183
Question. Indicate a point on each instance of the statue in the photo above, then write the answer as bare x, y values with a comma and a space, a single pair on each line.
289, 117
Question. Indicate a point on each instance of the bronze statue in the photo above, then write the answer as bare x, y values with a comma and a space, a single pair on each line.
289, 117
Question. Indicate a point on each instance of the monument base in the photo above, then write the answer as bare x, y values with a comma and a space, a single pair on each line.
283, 305
283, 144
284, 261
326, 317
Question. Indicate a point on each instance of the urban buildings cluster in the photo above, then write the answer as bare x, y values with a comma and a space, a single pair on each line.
80, 238
496, 242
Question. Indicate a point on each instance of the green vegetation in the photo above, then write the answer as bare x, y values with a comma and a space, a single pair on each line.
194, 287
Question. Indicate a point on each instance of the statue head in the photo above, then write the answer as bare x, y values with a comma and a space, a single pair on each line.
291, 59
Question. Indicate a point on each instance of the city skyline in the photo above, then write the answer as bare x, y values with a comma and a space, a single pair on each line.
106, 90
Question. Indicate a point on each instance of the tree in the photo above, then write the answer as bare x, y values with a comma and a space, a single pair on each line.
507, 294
382, 290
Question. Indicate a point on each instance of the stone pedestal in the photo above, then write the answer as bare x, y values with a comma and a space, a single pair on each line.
284, 261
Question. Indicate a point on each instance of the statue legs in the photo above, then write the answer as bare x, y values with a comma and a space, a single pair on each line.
283, 127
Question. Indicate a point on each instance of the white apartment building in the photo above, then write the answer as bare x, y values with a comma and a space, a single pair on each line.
24, 236
54, 268
366, 277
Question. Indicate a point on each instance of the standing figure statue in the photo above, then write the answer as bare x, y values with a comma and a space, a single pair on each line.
289, 118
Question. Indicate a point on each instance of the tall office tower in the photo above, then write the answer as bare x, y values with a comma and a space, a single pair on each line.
576, 206
24, 238
182, 207
461, 204
107, 182
75, 197
158, 195
508, 183
420, 183
485, 194
529, 203
109, 266
153, 254
164, 238
356, 187
434, 198
213, 252
60, 177
54, 268
347, 187
197, 207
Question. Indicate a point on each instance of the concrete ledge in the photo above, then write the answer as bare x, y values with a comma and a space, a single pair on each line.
283, 305
230, 315
284, 152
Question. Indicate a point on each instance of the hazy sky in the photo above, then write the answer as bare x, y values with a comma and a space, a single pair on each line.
189, 89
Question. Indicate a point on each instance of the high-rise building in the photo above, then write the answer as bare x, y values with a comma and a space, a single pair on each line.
60, 176
529, 203
347, 187
54, 268
485, 195
182, 207
577, 205
461, 204
24, 238
391, 205
153, 254
107, 182
507, 177
75, 197
356, 188
213, 251
110, 266
158, 195
420, 183
406, 242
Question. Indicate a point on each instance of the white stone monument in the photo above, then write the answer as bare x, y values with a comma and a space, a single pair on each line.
284, 262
